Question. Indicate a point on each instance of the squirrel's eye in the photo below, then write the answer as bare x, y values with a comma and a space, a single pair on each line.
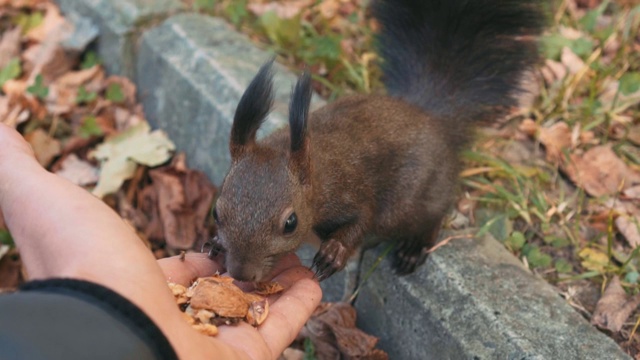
215, 215
290, 224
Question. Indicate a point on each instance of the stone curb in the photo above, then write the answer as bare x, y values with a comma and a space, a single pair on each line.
472, 299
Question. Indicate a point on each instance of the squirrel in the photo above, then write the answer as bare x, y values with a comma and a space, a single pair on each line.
369, 168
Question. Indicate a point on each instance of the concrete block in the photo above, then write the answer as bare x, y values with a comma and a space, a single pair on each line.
191, 73
119, 22
474, 300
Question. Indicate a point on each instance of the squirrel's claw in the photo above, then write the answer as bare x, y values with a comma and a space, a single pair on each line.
408, 257
214, 247
331, 258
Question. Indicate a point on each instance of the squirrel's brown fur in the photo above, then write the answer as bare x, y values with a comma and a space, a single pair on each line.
378, 167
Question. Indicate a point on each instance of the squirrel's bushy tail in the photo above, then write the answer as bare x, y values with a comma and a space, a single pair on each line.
457, 59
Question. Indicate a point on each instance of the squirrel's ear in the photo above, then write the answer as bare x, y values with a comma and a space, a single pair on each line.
252, 110
298, 117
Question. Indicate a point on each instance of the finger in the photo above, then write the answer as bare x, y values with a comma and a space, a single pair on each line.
184, 270
293, 308
287, 262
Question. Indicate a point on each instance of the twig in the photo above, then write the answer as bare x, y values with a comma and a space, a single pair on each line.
446, 241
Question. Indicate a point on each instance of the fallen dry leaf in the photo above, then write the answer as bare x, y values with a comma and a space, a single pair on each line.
556, 139
44, 146
183, 199
628, 227
572, 61
53, 24
78, 171
626, 219
329, 8
10, 45
47, 59
614, 307
332, 330
127, 87
593, 259
285, 10
614, 100
632, 193
77, 78
121, 154
10, 269
553, 71
600, 171
14, 88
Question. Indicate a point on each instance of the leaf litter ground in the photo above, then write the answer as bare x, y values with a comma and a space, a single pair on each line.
87, 127
558, 181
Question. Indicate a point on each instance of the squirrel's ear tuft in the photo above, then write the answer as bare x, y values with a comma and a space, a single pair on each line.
299, 111
252, 110
298, 118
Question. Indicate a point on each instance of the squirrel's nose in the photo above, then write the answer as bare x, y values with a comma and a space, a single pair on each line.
242, 272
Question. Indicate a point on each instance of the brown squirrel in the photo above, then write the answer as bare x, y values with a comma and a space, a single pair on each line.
375, 167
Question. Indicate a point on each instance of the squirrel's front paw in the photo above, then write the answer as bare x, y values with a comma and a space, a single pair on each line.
331, 257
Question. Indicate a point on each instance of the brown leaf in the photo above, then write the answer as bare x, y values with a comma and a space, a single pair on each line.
628, 226
632, 193
184, 201
329, 8
45, 147
600, 172
125, 119
14, 88
128, 88
553, 71
626, 220
284, 10
148, 205
634, 134
48, 59
572, 61
529, 127
10, 270
53, 25
556, 139
9, 45
614, 307
80, 77
332, 329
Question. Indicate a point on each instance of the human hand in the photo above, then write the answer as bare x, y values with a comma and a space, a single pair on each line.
62, 230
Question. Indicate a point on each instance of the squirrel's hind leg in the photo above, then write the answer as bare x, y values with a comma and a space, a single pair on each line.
412, 250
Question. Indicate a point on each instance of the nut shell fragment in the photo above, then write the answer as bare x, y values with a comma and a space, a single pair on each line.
224, 299
257, 313
268, 288
207, 329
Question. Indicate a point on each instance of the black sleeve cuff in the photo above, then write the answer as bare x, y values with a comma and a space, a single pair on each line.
75, 319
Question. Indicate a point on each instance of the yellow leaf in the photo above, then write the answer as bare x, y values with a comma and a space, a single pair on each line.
120, 155
593, 259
